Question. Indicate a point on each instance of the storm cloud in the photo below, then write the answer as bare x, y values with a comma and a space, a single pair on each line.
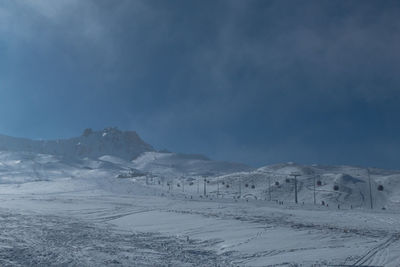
253, 81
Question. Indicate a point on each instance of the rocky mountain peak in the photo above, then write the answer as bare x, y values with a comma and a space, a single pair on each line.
93, 144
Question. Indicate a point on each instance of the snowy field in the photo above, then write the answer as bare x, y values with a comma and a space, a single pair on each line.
78, 213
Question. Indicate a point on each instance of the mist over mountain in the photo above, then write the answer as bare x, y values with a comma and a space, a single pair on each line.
93, 144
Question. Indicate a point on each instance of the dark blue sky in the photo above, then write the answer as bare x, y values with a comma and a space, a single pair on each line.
258, 82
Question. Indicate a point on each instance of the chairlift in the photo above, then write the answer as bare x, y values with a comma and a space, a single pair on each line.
336, 187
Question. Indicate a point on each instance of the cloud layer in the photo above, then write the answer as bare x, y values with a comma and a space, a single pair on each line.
253, 81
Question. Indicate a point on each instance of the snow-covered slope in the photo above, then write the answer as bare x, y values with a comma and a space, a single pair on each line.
175, 165
114, 153
77, 212
104, 209
348, 186
19, 168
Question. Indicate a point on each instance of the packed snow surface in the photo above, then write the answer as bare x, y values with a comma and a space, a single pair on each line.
166, 209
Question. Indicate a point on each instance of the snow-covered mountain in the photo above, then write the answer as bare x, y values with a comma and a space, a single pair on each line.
114, 153
188, 208
111, 149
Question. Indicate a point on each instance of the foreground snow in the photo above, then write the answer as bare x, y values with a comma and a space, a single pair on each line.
92, 228
56, 213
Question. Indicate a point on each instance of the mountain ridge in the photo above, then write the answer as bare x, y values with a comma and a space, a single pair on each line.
109, 141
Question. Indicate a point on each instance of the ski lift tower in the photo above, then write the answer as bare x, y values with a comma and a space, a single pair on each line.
314, 189
295, 175
268, 182
205, 185
370, 189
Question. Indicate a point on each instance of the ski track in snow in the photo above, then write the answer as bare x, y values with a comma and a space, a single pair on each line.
87, 235
44, 240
